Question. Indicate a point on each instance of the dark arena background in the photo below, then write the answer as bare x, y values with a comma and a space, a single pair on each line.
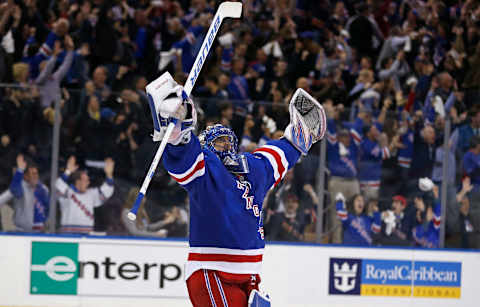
384, 210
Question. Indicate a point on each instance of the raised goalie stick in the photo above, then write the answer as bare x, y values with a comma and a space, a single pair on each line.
225, 10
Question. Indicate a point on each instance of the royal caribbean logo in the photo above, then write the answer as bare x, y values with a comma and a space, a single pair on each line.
345, 276
374, 277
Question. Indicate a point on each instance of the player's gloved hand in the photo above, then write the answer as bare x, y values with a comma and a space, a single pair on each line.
339, 197
307, 121
169, 103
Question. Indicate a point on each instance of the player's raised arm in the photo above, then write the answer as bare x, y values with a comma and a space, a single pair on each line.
183, 157
307, 126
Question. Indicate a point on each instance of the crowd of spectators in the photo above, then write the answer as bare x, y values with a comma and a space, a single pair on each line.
391, 74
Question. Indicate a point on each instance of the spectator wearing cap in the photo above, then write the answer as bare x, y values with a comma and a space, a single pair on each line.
398, 223
359, 228
342, 155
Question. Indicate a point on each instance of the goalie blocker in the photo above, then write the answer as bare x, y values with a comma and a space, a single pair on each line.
168, 103
307, 121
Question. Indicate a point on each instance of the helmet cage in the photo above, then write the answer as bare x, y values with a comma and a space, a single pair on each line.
233, 162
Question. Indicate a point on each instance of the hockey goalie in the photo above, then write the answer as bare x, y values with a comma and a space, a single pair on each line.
226, 191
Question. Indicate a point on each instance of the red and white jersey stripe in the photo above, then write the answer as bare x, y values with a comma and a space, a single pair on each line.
404, 162
332, 138
75, 229
342, 214
195, 171
385, 153
370, 184
237, 261
437, 221
45, 49
357, 138
277, 160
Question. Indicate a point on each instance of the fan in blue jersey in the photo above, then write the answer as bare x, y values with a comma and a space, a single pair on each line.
226, 190
426, 233
358, 227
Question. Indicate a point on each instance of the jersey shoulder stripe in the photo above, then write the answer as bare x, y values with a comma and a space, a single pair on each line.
197, 169
277, 159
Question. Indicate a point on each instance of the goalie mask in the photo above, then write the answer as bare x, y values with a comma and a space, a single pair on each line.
224, 143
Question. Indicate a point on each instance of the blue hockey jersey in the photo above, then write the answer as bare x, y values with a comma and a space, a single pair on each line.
340, 165
358, 230
226, 228
370, 164
405, 154
427, 234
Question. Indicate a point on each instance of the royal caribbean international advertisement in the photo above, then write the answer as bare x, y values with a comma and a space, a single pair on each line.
378, 277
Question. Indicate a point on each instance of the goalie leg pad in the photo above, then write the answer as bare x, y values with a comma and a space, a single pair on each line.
307, 121
258, 299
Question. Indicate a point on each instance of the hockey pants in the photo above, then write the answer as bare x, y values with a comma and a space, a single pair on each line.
209, 288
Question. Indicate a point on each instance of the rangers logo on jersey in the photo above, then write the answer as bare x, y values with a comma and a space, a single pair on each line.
246, 187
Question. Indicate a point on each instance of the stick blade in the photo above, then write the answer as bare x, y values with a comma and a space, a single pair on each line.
231, 9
